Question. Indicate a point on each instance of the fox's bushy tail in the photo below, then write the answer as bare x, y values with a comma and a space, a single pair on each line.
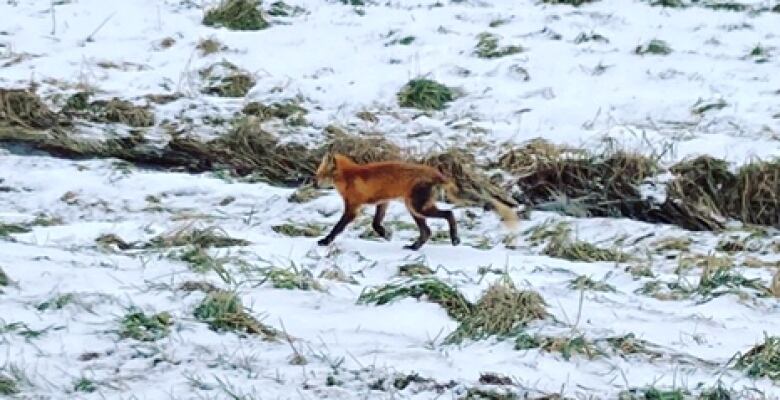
507, 215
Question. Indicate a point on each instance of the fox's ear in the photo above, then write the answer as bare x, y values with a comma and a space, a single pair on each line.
341, 160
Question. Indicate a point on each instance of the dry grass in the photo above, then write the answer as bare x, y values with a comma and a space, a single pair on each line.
209, 46
240, 15
763, 360
223, 311
501, 311
23, 108
190, 236
225, 79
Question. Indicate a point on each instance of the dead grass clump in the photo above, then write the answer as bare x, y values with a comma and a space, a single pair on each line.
429, 288
756, 193
774, 287
240, 15
210, 46
114, 110
305, 194
474, 186
223, 311
501, 311
604, 185
290, 111
202, 238
763, 360
655, 46
197, 286
23, 108
583, 282
566, 346
361, 148
562, 245
9, 386
282, 9
225, 79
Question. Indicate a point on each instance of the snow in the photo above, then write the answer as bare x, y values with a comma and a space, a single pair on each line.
336, 61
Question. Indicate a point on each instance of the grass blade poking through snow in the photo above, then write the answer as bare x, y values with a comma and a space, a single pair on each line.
763, 360
146, 328
502, 310
431, 289
223, 311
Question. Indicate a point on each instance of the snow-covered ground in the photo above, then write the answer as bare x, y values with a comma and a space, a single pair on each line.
338, 59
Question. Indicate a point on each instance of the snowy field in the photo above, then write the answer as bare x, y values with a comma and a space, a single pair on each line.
78, 240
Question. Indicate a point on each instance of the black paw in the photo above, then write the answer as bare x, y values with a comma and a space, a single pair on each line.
414, 246
455, 240
324, 242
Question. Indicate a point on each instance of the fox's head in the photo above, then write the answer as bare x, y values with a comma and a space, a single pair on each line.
329, 167
324, 175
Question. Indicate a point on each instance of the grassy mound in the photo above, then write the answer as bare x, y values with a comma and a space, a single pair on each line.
429, 288
655, 46
115, 110
502, 310
147, 328
225, 79
239, 15
488, 47
425, 94
223, 311
763, 360
23, 108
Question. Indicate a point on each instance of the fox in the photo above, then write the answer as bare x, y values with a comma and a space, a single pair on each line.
378, 183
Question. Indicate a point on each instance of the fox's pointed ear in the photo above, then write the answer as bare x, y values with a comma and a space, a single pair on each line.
340, 160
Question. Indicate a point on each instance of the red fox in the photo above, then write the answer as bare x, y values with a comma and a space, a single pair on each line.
379, 182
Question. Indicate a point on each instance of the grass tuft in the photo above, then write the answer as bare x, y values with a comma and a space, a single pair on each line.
292, 278
502, 310
566, 346
655, 46
146, 328
561, 245
223, 311
584, 282
488, 47
203, 238
308, 229
239, 15
84, 385
575, 3
763, 360
8, 385
225, 79
57, 303
210, 46
6, 230
4, 279
428, 288
425, 94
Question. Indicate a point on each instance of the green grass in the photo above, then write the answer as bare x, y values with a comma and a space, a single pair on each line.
204, 238
282, 9
763, 360
575, 3
57, 303
223, 311
428, 288
7, 230
292, 278
308, 229
566, 346
4, 279
668, 3
655, 46
146, 328
84, 385
584, 282
653, 394
239, 15
8, 385
425, 94
488, 47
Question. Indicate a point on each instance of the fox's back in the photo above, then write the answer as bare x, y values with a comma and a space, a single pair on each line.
375, 182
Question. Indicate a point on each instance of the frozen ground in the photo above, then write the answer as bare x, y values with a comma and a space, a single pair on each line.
336, 58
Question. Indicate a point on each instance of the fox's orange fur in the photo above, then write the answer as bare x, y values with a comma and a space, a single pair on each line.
379, 182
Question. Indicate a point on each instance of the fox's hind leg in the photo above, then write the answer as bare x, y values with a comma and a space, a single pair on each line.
425, 233
380, 230
422, 204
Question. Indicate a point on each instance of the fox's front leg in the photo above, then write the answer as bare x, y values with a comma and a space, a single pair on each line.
350, 212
